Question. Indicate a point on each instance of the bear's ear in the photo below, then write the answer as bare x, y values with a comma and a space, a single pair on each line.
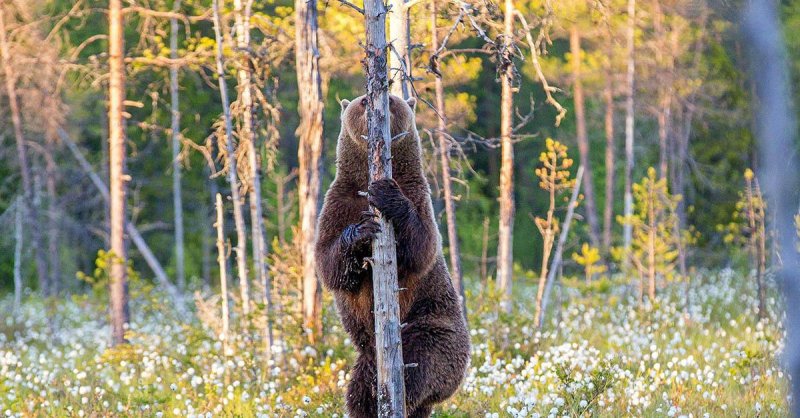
344, 104
412, 102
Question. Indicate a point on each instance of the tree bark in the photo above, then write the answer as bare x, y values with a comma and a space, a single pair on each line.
309, 154
447, 183
53, 219
629, 125
558, 255
22, 156
223, 273
505, 256
118, 177
583, 136
608, 210
177, 202
399, 52
389, 355
233, 177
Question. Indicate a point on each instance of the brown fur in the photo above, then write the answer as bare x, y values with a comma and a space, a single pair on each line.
435, 335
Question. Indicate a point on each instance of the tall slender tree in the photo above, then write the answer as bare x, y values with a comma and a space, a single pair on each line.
118, 177
177, 201
309, 153
629, 122
233, 176
22, 155
505, 257
583, 136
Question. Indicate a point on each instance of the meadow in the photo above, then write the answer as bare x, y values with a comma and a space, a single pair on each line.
599, 354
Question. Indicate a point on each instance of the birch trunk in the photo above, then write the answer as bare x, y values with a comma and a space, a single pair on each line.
558, 255
53, 220
233, 177
388, 345
223, 273
177, 202
583, 136
22, 156
399, 52
118, 177
505, 258
447, 183
309, 154
629, 125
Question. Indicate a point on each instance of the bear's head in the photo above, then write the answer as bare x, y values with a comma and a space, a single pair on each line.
401, 116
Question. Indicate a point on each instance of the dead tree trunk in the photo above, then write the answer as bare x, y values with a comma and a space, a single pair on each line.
53, 219
177, 202
505, 256
777, 133
583, 136
558, 255
233, 177
136, 237
447, 183
389, 355
223, 273
399, 53
22, 156
629, 128
118, 177
309, 154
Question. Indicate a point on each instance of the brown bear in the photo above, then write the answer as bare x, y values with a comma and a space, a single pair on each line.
434, 333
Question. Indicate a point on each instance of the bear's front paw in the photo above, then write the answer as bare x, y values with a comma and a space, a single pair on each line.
362, 233
386, 196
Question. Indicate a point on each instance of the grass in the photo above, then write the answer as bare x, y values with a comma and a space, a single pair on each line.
600, 354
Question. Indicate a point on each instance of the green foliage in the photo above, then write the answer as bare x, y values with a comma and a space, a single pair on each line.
588, 258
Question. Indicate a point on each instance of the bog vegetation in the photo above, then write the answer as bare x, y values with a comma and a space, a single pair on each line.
593, 169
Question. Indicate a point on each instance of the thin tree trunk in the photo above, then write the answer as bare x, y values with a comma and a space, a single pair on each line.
135, 235
399, 52
562, 240
444, 150
117, 186
22, 155
233, 177
651, 246
388, 345
223, 273
629, 126
663, 74
18, 208
177, 202
485, 250
505, 256
583, 137
309, 154
608, 209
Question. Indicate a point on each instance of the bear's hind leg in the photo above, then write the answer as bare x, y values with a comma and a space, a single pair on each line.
441, 356
361, 399
423, 411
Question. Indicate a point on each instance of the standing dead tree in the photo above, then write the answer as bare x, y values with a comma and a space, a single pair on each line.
389, 354
629, 123
175, 113
233, 178
776, 129
309, 153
